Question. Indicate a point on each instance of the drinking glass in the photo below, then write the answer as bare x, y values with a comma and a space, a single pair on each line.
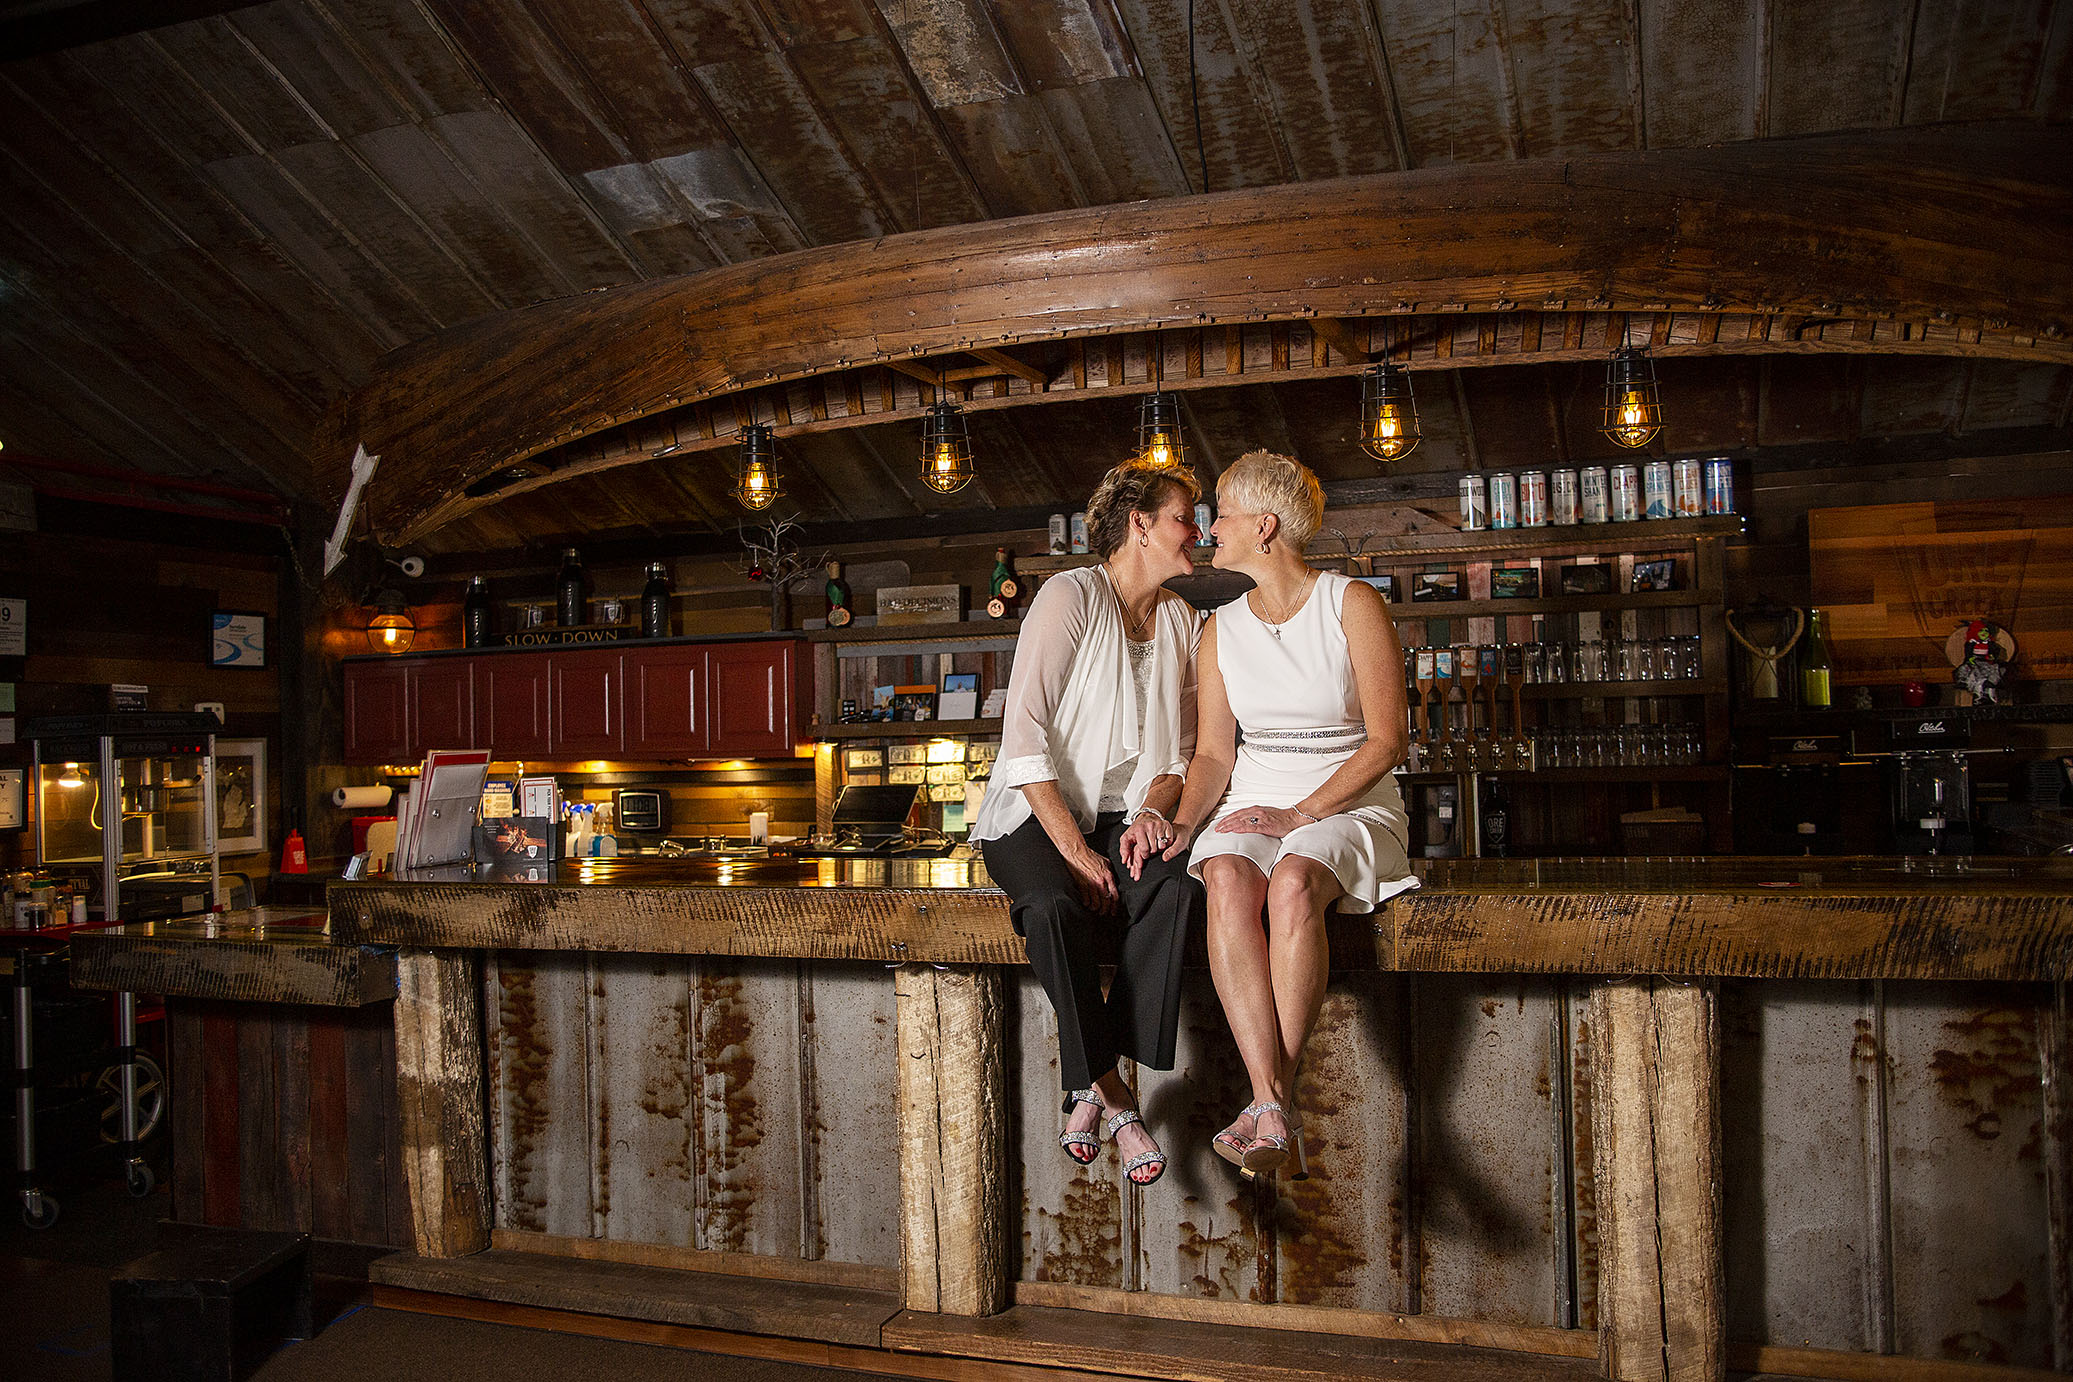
1643, 653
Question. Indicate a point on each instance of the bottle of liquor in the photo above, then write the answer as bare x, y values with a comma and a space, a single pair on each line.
571, 591
1497, 821
837, 590
476, 627
1814, 664
655, 602
1005, 586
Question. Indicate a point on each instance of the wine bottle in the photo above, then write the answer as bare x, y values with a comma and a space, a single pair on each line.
1005, 586
1815, 667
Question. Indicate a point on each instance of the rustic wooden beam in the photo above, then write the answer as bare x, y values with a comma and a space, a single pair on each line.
914, 369
1340, 336
956, 1254
1008, 364
235, 962
1726, 228
1656, 1156
440, 1099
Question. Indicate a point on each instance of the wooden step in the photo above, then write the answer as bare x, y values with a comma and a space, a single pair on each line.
1135, 1346
707, 1300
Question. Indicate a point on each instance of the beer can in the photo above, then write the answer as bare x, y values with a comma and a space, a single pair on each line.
1688, 488
1203, 519
1720, 485
1594, 495
1475, 504
1078, 524
1504, 499
1058, 535
1533, 499
1625, 494
1657, 498
1563, 508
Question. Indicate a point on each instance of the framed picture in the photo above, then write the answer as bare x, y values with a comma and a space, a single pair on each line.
239, 640
864, 758
899, 755
1514, 583
1660, 574
961, 681
240, 795
1595, 579
1428, 587
1385, 584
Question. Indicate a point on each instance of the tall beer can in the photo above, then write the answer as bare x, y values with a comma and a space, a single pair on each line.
1657, 497
1475, 504
1562, 498
1058, 535
1626, 493
1504, 499
1688, 488
1533, 499
1204, 520
1078, 527
1720, 485
1594, 495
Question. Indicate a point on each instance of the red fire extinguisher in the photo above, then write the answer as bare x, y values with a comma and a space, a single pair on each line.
294, 858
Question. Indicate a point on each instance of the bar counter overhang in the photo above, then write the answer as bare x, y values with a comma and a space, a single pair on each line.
1524, 1119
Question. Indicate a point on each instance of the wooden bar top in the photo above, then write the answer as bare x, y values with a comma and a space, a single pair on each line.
1838, 918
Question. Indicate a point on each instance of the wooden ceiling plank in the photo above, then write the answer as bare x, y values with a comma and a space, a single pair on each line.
1315, 66
914, 369
312, 59
1445, 60
1010, 151
1238, 142
1063, 43
1567, 94
1020, 369
1348, 338
1831, 65
60, 414
1111, 135
1699, 71
526, 70
403, 47
514, 174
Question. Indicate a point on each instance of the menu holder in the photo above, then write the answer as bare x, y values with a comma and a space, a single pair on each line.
443, 808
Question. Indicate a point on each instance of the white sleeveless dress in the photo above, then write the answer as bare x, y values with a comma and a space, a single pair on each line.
1291, 688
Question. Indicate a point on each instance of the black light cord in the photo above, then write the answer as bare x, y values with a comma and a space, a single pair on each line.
1195, 99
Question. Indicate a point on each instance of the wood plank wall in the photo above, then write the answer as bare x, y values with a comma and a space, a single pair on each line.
284, 1117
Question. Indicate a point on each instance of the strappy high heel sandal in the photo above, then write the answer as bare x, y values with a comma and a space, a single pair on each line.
1269, 1154
1116, 1123
1229, 1144
1076, 1142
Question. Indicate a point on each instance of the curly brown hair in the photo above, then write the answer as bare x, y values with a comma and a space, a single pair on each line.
1127, 489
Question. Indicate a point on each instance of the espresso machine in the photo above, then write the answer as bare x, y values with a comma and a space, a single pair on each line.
1929, 786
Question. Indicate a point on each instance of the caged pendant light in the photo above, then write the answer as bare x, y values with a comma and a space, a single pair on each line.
758, 485
1389, 428
1159, 444
1633, 405
946, 446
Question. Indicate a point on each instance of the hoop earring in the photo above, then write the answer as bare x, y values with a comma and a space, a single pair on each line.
1261, 548
1142, 540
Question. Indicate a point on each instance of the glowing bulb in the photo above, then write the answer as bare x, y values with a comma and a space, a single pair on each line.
71, 777
1388, 440
1159, 452
1633, 428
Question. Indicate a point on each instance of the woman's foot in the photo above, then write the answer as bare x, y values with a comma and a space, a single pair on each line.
1231, 1143
1274, 1136
1143, 1161
1081, 1138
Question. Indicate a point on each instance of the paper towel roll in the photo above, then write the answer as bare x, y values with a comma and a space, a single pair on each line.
360, 798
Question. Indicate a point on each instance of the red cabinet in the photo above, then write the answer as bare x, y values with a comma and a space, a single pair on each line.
666, 696
726, 700
511, 704
584, 697
756, 701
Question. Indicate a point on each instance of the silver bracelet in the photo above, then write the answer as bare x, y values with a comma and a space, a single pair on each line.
1306, 815
1148, 811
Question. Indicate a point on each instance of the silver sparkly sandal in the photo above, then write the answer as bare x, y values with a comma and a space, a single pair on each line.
1073, 1142
1269, 1153
1119, 1121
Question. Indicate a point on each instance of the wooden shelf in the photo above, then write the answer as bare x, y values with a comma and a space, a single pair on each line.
1550, 604
1615, 690
1681, 772
905, 729
919, 633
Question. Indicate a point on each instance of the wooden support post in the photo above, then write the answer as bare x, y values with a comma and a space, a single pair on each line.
1661, 1315
954, 1249
439, 1100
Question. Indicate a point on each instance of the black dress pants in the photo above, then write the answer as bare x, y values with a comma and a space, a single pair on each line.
1140, 1017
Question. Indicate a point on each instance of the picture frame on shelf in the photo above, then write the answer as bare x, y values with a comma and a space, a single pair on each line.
240, 796
1589, 578
238, 640
1514, 583
1433, 587
1384, 584
959, 697
1658, 574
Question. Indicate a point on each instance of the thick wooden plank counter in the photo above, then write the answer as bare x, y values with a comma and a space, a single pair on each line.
515, 993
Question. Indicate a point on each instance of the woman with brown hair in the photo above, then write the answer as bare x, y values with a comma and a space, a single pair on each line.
1100, 718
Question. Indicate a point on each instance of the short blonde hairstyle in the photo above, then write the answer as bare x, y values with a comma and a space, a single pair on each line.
1263, 482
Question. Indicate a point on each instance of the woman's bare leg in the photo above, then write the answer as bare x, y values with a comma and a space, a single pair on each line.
1299, 958
1238, 962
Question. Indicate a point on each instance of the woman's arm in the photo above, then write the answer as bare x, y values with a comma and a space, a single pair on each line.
1216, 747
1378, 663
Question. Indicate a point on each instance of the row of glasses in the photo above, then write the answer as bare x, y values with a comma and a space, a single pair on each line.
1619, 746
1597, 660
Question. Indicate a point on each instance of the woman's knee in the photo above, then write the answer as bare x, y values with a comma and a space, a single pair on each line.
1300, 890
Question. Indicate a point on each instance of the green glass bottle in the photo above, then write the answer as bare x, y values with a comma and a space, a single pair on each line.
1815, 666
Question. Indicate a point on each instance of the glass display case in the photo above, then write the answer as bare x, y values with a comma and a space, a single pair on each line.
126, 805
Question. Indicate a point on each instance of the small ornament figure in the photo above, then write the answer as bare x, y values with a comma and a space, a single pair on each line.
1005, 586
1979, 652
838, 597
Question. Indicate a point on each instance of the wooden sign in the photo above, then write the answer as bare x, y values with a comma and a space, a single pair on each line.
1897, 578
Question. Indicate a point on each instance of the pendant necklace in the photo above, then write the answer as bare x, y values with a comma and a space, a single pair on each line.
1273, 626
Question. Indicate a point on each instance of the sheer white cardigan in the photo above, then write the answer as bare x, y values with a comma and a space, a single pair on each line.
1071, 713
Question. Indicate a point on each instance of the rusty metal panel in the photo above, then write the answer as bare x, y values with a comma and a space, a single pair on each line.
1965, 1131
1801, 1073
642, 1187
1197, 1232
1487, 1170
747, 1051
540, 1103
1070, 1217
1341, 1237
850, 1042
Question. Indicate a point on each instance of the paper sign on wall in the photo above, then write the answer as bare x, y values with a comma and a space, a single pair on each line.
14, 628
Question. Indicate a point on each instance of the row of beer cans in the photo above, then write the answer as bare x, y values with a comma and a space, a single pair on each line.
1624, 493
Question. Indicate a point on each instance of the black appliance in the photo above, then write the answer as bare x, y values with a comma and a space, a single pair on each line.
872, 822
640, 813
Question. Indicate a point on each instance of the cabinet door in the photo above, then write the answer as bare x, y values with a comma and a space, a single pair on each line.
584, 697
511, 704
377, 712
666, 703
755, 703
442, 705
